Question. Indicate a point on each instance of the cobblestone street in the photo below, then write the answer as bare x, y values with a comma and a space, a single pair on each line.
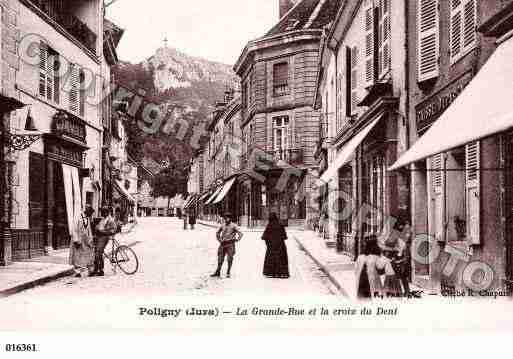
174, 261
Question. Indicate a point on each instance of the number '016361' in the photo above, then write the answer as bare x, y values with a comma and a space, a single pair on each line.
20, 348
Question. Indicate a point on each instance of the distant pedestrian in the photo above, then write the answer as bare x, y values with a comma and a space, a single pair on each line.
227, 235
192, 219
105, 229
184, 221
276, 263
82, 249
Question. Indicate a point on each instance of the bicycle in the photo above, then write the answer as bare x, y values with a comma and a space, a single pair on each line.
122, 256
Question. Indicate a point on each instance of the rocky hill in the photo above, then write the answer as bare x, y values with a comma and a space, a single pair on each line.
174, 69
172, 77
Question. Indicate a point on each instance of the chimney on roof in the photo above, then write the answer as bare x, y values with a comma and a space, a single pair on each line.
285, 6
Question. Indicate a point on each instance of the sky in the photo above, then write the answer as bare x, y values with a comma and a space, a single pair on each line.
215, 30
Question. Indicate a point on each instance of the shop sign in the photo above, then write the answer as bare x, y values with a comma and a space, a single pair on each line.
430, 110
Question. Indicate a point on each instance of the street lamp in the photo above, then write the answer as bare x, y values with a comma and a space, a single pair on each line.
9, 143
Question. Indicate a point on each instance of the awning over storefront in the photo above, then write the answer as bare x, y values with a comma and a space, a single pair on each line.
118, 185
214, 195
204, 196
484, 108
224, 190
187, 200
347, 152
191, 202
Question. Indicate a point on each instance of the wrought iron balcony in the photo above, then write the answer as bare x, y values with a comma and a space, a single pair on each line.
66, 124
59, 12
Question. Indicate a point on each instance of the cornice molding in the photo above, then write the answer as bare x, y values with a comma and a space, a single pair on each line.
274, 41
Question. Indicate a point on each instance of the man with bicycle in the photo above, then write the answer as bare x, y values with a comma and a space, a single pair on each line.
104, 230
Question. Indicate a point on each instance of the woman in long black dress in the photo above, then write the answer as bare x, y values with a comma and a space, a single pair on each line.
276, 264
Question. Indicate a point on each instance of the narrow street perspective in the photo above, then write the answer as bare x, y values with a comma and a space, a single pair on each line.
177, 261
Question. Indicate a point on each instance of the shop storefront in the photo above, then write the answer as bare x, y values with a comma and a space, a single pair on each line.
54, 189
460, 169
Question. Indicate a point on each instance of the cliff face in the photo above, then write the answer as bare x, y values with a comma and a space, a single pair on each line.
171, 77
173, 69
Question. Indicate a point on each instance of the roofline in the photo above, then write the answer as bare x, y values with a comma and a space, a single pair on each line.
284, 17
337, 21
252, 46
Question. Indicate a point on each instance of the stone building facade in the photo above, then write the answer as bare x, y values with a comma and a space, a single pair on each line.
51, 51
279, 125
457, 196
362, 96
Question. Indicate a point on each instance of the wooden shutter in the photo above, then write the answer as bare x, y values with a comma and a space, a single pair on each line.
82, 93
428, 39
43, 66
469, 24
354, 79
368, 29
472, 185
384, 56
456, 21
74, 84
437, 171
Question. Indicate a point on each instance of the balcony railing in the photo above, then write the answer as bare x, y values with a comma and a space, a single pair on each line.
58, 12
69, 125
290, 155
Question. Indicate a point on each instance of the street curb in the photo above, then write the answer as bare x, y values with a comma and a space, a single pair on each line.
36, 282
331, 277
46, 279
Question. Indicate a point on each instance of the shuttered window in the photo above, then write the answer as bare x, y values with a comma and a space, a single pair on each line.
281, 78
428, 39
82, 93
437, 183
462, 28
48, 79
472, 195
368, 29
384, 30
354, 79
76, 95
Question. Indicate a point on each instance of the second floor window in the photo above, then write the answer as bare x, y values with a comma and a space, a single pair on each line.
281, 79
49, 85
77, 91
462, 27
281, 137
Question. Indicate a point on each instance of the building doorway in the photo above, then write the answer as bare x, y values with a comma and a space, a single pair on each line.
61, 235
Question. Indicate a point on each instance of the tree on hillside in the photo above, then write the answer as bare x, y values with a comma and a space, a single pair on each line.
170, 181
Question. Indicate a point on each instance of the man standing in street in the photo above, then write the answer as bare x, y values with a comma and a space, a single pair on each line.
105, 229
227, 235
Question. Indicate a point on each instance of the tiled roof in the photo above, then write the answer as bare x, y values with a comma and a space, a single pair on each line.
307, 14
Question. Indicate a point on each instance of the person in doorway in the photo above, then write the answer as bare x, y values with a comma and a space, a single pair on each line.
227, 235
192, 219
276, 262
105, 229
401, 260
82, 249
